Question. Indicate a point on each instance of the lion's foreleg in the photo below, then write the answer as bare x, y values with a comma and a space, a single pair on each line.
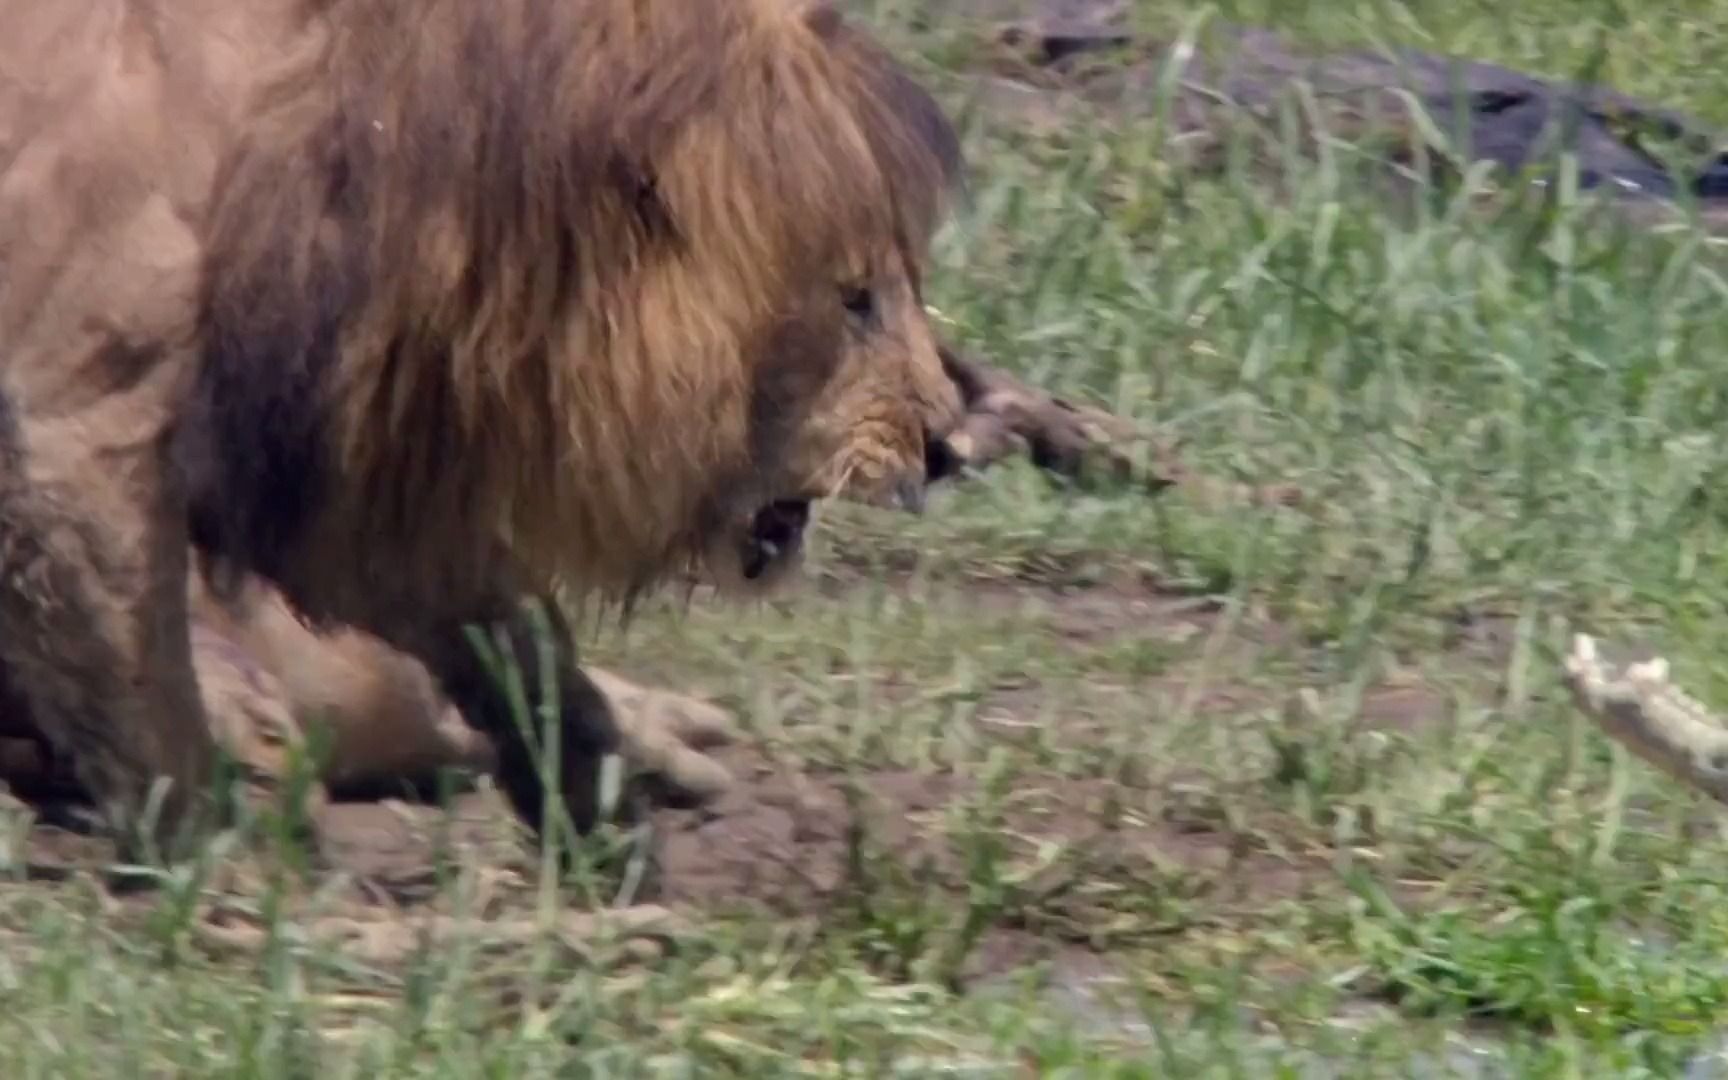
519, 688
93, 621
667, 736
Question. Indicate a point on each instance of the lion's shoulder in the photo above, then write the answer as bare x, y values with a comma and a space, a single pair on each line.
114, 115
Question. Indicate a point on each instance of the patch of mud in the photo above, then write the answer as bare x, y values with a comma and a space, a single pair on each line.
783, 839
789, 838
794, 843
399, 847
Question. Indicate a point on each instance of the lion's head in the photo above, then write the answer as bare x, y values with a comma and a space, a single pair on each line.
845, 389
604, 285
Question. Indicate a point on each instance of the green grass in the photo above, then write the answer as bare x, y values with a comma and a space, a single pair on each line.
1184, 792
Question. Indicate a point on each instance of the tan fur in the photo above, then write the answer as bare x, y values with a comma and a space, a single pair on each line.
418, 309
254, 713
374, 714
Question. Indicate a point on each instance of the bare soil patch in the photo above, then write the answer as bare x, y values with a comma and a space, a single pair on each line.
782, 840
798, 841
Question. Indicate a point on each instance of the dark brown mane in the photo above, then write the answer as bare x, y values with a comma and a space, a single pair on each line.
542, 228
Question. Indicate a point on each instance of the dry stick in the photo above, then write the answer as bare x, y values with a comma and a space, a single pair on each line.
1652, 717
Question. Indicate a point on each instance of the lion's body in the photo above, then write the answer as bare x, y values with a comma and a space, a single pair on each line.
420, 309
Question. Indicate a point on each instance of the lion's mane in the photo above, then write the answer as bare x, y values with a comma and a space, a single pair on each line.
435, 209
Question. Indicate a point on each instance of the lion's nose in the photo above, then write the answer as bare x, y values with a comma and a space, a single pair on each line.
941, 460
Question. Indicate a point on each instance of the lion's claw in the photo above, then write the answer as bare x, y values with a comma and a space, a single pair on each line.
666, 735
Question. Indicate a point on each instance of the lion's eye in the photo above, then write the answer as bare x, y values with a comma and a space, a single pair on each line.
860, 302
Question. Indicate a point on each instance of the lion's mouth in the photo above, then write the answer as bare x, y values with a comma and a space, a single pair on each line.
776, 536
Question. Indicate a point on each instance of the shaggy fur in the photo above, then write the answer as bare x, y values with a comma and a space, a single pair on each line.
420, 309
577, 282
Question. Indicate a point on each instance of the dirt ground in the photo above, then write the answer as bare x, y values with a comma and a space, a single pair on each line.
793, 840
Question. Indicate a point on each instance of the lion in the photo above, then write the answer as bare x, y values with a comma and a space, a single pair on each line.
427, 313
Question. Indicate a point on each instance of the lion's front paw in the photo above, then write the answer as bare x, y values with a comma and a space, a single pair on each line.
669, 736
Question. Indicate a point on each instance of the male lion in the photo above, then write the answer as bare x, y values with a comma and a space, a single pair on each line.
421, 309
